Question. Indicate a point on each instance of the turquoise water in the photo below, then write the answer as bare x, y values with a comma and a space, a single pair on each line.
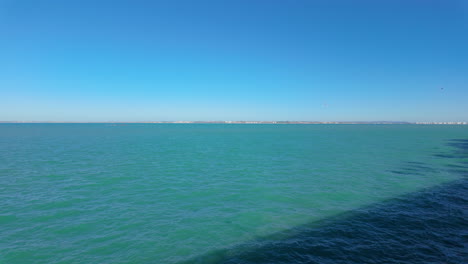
170, 193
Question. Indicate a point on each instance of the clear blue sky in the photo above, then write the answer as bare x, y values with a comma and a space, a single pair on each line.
233, 60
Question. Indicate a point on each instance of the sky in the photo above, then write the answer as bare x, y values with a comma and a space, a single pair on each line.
233, 60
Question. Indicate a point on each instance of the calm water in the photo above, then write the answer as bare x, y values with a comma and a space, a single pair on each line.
169, 193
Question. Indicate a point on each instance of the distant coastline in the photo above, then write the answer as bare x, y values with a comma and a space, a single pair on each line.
243, 122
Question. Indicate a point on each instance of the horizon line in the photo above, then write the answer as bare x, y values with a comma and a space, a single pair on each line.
236, 122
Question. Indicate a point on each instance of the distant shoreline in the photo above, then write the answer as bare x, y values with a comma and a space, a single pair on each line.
245, 122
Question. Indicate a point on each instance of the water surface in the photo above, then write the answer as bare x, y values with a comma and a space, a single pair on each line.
200, 193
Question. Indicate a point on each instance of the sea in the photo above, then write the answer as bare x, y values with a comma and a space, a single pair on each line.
233, 193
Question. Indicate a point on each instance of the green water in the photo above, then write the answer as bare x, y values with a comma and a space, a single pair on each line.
167, 193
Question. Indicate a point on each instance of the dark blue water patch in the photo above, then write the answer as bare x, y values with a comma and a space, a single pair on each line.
459, 143
406, 172
420, 166
448, 156
456, 166
430, 226
462, 172
414, 168
415, 162
460, 147
427, 227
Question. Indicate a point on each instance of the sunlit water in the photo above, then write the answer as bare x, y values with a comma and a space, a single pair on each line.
173, 193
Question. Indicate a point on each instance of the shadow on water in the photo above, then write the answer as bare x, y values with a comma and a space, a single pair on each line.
430, 226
